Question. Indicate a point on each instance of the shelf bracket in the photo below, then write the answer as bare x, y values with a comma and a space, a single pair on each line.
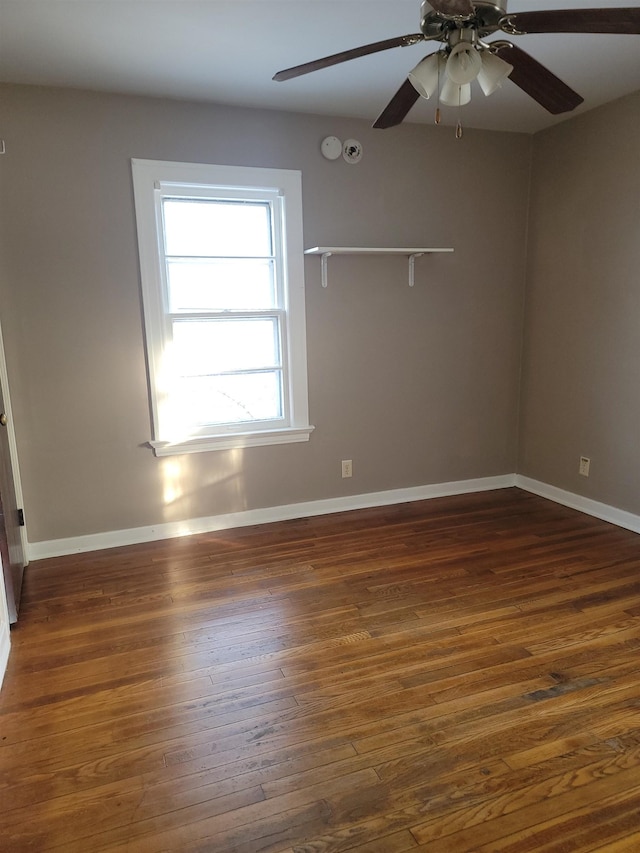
412, 267
323, 267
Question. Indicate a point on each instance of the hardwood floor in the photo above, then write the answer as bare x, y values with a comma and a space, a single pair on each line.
459, 674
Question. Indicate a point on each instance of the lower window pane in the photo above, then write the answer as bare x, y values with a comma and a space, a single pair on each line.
241, 398
203, 347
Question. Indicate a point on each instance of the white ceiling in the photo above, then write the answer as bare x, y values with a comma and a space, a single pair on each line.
226, 51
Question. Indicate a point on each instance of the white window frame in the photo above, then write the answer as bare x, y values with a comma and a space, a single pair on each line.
154, 180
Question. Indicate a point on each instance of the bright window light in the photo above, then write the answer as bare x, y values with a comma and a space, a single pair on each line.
221, 264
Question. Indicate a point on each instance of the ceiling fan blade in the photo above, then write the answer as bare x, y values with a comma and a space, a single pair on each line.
453, 8
346, 55
616, 21
538, 82
398, 107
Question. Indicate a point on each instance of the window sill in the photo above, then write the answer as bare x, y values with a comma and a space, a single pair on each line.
233, 441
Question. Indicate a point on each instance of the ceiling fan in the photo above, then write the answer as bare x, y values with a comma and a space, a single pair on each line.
461, 27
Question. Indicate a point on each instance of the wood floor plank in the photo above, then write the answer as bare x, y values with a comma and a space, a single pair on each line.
456, 675
485, 819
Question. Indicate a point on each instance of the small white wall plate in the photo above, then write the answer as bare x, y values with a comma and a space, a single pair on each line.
331, 147
352, 151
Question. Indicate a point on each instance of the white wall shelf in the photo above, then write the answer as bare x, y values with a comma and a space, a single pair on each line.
326, 252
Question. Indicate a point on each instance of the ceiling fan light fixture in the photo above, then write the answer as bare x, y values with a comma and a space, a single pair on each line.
425, 77
464, 63
454, 95
493, 73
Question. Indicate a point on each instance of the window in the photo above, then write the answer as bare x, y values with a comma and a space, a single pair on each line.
221, 262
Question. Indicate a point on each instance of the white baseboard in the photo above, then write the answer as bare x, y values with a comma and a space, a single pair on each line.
174, 529
5, 645
171, 530
619, 517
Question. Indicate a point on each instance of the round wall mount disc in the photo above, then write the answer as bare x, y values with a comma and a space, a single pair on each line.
331, 147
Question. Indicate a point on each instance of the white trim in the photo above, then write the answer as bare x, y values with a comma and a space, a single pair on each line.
616, 516
282, 189
171, 530
232, 441
5, 635
13, 447
267, 515
5, 645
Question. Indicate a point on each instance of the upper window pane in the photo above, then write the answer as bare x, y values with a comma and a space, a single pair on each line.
217, 228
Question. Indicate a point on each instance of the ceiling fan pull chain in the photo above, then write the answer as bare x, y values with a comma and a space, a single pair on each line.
459, 130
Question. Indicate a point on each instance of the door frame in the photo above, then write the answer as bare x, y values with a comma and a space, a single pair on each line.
13, 447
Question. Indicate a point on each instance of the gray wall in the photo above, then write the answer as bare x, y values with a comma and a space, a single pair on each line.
581, 373
417, 386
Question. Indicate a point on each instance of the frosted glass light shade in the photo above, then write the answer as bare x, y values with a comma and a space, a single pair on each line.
425, 76
493, 72
453, 95
464, 63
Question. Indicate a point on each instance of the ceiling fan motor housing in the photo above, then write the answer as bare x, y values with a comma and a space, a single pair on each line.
485, 19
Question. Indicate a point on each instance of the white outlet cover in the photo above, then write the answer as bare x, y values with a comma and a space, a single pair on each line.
352, 151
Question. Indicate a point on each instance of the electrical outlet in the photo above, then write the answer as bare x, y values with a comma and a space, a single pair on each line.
347, 468
584, 466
